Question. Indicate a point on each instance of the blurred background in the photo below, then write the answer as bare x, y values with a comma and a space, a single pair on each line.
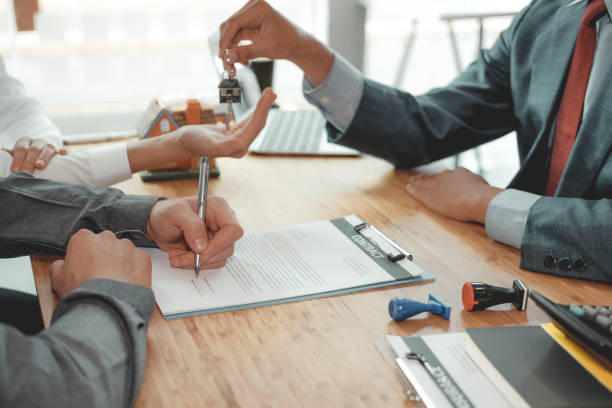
95, 65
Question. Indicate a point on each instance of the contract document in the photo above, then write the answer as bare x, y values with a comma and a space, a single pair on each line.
285, 264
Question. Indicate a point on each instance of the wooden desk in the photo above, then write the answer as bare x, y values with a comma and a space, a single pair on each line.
321, 353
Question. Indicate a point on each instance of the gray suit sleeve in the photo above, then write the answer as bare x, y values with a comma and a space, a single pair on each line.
40, 216
569, 237
94, 352
410, 130
92, 355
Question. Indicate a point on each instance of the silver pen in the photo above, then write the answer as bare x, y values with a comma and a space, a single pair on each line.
202, 192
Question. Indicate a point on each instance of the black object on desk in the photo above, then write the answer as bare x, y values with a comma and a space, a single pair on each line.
589, 326
479, 296
264, 72
395, 254
174, 174
531, 369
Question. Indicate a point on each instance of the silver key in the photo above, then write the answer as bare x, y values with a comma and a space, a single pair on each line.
229, 115
230, 90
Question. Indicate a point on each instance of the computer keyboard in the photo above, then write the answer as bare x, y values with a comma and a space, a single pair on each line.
294, 132
591, 326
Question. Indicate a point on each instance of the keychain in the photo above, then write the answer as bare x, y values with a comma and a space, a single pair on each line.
229, 90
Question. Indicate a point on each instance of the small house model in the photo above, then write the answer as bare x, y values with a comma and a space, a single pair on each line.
159, 119
229, 90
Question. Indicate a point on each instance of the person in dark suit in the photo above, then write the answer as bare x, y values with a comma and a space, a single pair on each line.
547, 78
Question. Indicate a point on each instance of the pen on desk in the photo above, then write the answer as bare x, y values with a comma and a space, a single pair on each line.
202, 191
95, 137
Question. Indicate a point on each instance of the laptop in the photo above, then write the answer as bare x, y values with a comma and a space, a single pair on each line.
300, 132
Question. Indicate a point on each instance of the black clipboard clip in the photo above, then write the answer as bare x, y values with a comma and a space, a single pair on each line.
396, 255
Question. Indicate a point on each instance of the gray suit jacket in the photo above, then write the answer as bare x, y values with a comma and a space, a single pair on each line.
94, 352
516, 85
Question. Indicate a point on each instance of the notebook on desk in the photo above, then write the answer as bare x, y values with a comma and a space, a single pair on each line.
300, 132
531, 369
511, 366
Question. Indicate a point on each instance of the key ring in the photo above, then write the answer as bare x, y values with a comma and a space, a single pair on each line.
231, 72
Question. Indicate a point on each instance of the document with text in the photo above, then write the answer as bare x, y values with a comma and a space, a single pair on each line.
285, 264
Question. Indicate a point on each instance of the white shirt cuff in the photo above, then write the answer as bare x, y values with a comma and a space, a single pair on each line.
507, 215
110, 164
339, 95
97, 167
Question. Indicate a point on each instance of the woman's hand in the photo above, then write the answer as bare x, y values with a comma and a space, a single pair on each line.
201, 140
215, 141
32, 154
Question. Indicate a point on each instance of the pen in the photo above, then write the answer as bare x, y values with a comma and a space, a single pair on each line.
94, 137
202, 191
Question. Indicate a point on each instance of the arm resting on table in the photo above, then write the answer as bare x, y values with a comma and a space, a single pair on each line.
574, 232
96, 167
40, 216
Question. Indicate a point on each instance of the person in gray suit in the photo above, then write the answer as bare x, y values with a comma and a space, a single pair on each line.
558, 215
93, 353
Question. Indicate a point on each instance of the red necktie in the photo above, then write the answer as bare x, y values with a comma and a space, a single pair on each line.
570, 110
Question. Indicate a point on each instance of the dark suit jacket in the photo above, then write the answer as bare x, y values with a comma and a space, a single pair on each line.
516, 85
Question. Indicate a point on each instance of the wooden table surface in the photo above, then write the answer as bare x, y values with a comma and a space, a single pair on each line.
322, 353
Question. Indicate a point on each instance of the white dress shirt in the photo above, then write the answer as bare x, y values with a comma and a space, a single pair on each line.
97, 167
22, 116
339, 95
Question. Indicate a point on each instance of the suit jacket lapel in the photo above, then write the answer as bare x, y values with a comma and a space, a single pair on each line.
551, 56
592, 145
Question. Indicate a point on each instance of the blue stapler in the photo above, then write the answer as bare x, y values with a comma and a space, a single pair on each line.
401, 308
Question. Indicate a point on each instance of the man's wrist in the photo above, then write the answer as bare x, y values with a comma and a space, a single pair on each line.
482, 201
149, 228
179, 142
314, 59
155, 151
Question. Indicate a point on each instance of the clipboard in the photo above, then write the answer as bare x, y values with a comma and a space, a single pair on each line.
385, 350
366, 251
437, 371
